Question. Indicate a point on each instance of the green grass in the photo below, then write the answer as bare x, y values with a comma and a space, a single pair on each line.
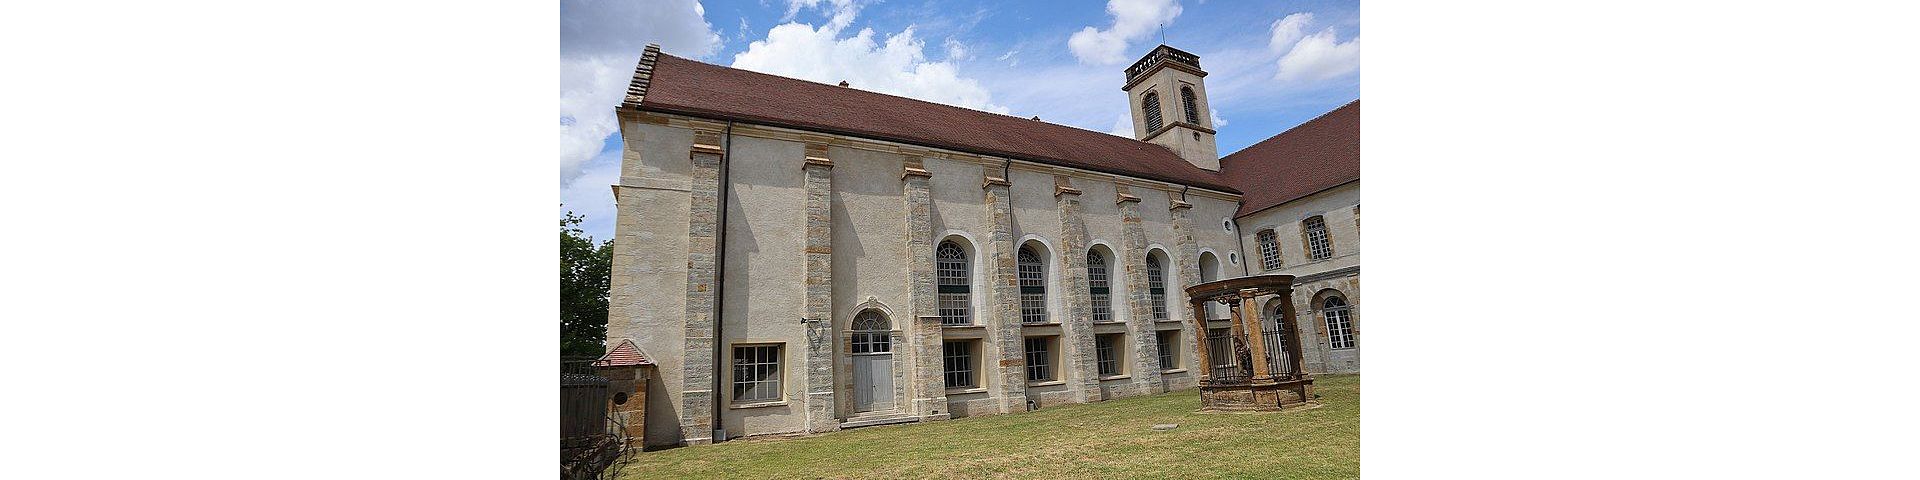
1111, 439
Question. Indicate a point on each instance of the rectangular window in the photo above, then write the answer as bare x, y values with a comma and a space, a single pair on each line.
756, 373
958, 358
1269, 249
1039, 359
1169, 341
1318, 246
1106, 351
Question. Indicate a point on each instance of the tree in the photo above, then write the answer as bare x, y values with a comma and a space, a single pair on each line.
586, 271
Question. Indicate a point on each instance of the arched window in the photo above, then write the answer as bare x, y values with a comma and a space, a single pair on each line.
871, 333
1150, 107
1193, 109
956, 285
1319, 247
1033, 287
1269, 249
1339, 322
1156, 288
1097, 287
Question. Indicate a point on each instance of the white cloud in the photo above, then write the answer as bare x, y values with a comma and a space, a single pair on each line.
897, 66
842, 11
1132, 19
1218, 121
1286, 31
956, 51
600, 42
1123, 125
1319, 57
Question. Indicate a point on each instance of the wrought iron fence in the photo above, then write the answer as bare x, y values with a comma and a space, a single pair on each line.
583, 400
1279, 363
1229, 365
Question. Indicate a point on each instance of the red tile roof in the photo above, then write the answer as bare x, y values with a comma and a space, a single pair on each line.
1322, 153
626, 354
676, 85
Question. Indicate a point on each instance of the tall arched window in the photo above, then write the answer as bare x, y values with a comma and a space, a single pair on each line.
1156, 288
1033, 287
1319, 247
1097, 287
1193, 110
1269, 249
1150, 107
956, 284
1339, 322
871, 333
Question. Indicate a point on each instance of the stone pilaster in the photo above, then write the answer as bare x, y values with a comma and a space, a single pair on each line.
1078, 328
1187, 256
1003, 318
929, 379
820, 338
697, 395
1146, 368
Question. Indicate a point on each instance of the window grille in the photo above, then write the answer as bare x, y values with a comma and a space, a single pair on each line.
756, 373
871, 333
1193, 110
1039, 361
1156, 288
1317, 245
1098, 287
1105, 355
1339, 322
1033, 287
956, 284
1169, 343
958, 358
1150, 107
1269, 249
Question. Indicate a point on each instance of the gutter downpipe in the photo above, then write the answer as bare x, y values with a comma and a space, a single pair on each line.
720, 283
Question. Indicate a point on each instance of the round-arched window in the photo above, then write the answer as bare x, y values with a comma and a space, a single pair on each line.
871, 333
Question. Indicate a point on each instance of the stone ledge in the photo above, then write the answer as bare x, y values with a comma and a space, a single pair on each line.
965, 391
1115, 377
1047, 383
742, 406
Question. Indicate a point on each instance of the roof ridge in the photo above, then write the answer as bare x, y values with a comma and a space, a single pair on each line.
870, 92
1223, 159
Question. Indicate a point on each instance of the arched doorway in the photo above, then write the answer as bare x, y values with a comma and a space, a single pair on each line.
870, 343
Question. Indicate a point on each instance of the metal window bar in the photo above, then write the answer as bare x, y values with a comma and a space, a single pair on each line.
1168, 341
1098, 288
1269, 249
955, 286
1039, 365
958, 359
1033, 290
1105, 359
1193, 111
1156, 289
1317, 238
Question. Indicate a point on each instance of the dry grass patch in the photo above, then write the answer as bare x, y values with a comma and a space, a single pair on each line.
1112, 439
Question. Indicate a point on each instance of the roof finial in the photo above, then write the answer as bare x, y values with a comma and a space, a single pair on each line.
1163, 33
844, 83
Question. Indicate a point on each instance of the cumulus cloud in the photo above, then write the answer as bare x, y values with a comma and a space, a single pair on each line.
1132, 19
1218, 121
1286, 31
956, 51
600, 42
1319, 57
895, 65
841, 11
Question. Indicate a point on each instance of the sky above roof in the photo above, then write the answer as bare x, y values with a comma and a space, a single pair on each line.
1271, 65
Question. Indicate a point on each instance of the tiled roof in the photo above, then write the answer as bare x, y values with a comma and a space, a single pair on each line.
1322, 153
626, 354
676, 85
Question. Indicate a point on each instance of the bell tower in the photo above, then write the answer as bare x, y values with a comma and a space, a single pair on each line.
1169, 102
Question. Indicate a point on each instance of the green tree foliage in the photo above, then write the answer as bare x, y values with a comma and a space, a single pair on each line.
586, 272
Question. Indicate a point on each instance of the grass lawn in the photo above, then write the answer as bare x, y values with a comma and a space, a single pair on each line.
1111, 439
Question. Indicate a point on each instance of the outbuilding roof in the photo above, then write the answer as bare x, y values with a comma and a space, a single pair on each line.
1317, 155
626, 354
669, 84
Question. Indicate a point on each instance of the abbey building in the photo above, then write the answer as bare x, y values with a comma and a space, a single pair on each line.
798, 257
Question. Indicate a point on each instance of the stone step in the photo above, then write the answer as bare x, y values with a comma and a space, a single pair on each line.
883, 419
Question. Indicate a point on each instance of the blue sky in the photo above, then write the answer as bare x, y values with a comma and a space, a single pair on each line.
1271, 65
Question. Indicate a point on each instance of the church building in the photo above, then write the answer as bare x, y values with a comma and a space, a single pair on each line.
797, 257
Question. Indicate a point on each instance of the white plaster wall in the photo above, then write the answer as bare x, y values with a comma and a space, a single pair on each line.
870, 257
1336, 208
648, 299
765, 293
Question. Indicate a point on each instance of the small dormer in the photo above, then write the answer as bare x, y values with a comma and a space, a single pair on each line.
1168, 97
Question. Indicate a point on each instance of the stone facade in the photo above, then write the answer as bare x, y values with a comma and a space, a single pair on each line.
733, 234
1339, 274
